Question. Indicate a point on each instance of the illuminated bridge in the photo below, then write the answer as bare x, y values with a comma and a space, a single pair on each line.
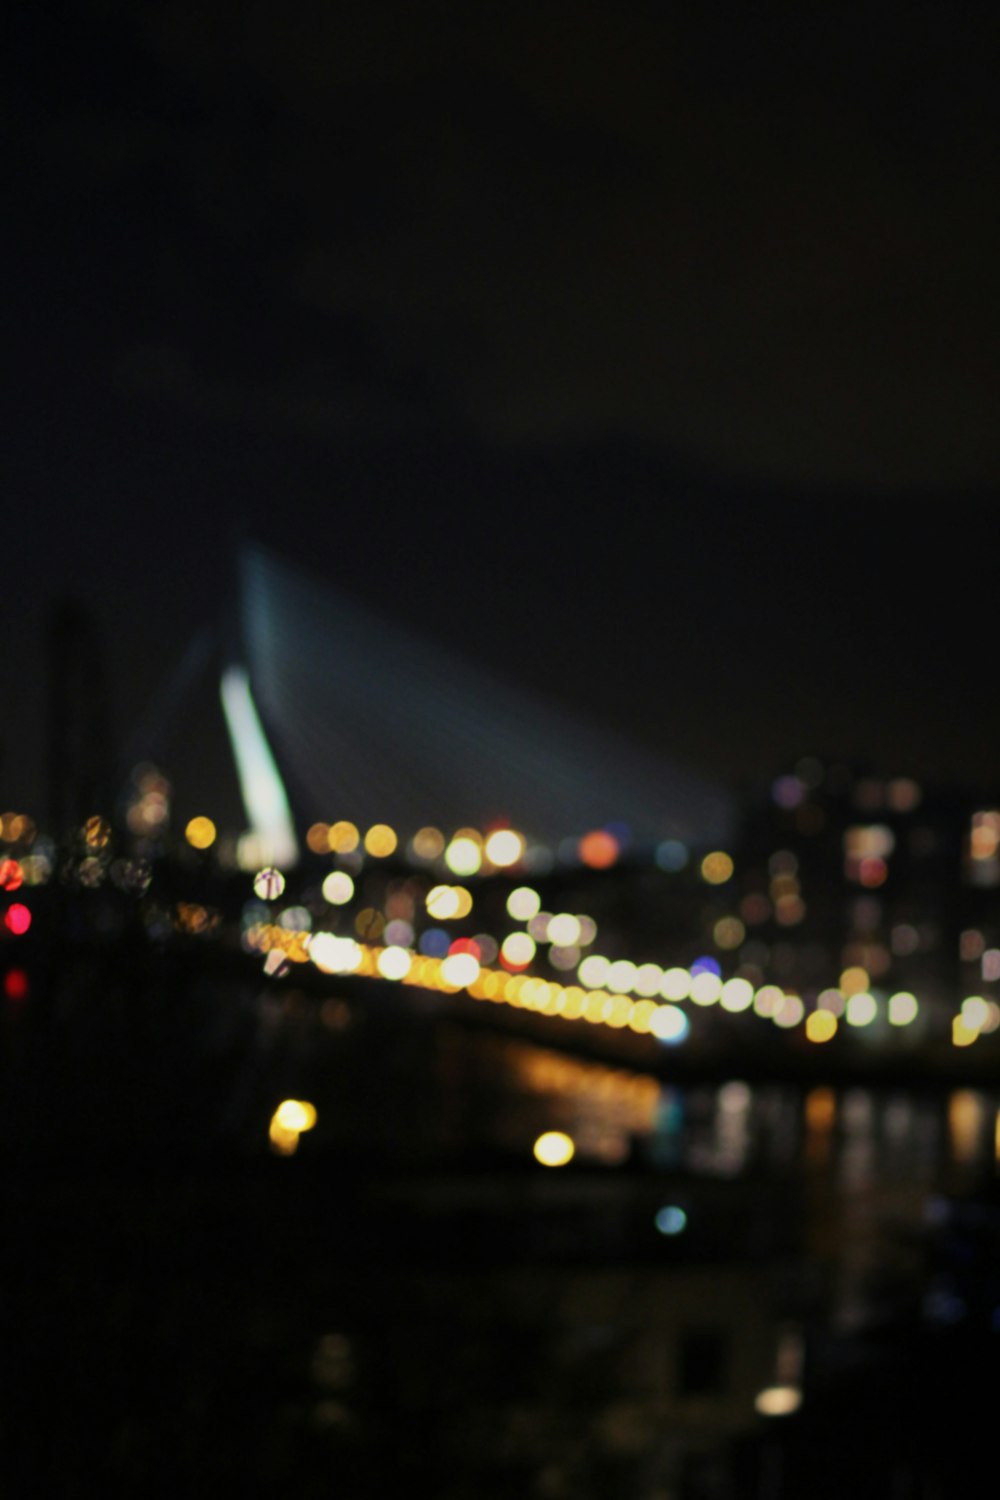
424, 815
335, 711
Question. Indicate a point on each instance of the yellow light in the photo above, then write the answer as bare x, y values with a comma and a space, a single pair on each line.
821, 1025
573, 1003
778, 1400
596, 1007
717, 867
504, 848
442, 902
380, 841
554, 1149
523, 904
97, 832
343, 838
200, 833
369, 924
619, 1012
854, 980
902, 1009
338, 888
642, 1016
394, 963
962, 1035
463, 855
460, 970
295, 1114
285, 1142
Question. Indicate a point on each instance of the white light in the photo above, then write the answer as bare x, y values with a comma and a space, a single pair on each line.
789, 1013
264, 799
338, 888
778, 1400
460, 970
861, 1009
621, 977
902, 1009
504, 847
518, 949
669, 1023
737, 994
648, 979
523, 904
463, 856
564, 930
394, 963
593, 972
706, 988
975, 1012
676, 984
334, 955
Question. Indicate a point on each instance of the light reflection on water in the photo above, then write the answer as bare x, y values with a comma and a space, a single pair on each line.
864, 1166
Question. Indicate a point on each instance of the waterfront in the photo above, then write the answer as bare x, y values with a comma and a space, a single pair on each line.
412, 1301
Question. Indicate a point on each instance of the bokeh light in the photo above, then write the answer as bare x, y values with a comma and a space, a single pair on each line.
670, 1219
381, 841
523, 904
337, 888
268, 883
598, 850
554, 1149
504, 848
200, 833
343, 837
717, 867
464, 854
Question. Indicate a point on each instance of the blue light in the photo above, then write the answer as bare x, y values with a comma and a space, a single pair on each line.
434, 943
705, 965
671, 855
670, 1219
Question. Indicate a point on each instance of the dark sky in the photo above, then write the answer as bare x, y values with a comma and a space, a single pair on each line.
650, 353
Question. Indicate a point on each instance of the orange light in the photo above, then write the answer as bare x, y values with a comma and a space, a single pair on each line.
598, 850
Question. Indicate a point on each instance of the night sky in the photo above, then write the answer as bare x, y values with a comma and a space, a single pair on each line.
651, 357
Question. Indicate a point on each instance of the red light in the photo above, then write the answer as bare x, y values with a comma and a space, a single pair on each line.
15, 984
18, 918
11, 874
467, 945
